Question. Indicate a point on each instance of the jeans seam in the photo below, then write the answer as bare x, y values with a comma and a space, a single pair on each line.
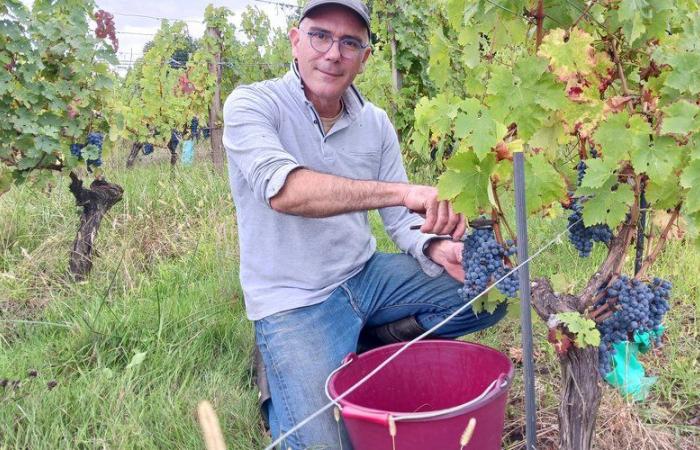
283, 387
353, 303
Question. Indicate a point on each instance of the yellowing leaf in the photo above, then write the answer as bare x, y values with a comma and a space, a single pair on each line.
568, 56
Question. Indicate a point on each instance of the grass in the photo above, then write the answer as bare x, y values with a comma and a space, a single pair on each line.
160, 326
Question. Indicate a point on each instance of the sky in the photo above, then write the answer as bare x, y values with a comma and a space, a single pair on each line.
134, 32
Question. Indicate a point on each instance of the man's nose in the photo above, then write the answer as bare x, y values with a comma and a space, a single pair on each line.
334, 52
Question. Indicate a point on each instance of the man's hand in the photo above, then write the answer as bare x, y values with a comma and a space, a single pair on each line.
440, 218
448, 254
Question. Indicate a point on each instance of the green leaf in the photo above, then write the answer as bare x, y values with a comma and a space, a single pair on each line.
598, 172
568, 56
545, 185
690, 179
585, 329
630, 14
607, 206
450, 184
680, 118
685, 76
660, 160
137, 359
664, 195
476, 174
621, 136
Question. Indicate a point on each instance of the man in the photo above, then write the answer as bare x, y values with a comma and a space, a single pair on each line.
308, 157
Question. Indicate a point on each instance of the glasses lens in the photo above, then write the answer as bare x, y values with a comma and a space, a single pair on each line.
350, 48
321, 42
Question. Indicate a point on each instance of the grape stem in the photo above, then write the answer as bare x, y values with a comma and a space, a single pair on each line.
660, 244
620, 70
540, 20
499, 210
583, 14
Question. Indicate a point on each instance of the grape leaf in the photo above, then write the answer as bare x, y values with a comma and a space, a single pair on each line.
685, 76
450, 184
598, 172
690, 179
475, 126
525, 95
680, 118
476, 175
630, 14
544, 184
664, 194
606, 205
660, 160
568, 56
620, 136
585, 329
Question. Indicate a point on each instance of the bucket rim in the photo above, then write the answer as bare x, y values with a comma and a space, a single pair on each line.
500, 388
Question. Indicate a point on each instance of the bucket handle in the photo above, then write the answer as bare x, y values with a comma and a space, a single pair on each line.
384, 418
346, 361
496, 385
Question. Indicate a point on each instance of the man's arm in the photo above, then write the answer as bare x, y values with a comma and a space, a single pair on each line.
312, 194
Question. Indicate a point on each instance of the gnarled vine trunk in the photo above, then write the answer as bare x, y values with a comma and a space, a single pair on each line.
95, 202
135, 149
580, 398
580, 391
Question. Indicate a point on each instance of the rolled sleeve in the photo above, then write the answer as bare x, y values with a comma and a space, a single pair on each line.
252, 143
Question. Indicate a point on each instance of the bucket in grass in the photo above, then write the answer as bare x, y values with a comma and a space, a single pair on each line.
436, 395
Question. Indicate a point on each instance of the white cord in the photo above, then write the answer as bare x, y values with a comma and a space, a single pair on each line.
410, 343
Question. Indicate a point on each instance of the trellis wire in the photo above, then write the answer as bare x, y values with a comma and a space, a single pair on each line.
410, 343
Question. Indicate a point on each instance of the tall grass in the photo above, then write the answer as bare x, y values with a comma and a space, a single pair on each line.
122, 359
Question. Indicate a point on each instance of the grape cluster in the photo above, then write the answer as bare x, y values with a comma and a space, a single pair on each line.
105, 27
206, 132
483, 263
581, 236
147, 149
76, 150
640, 308
194, 128
96, 139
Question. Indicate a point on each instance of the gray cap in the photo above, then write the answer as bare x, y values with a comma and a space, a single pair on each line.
356, 5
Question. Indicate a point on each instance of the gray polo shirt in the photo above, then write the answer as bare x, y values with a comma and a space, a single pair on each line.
287, 261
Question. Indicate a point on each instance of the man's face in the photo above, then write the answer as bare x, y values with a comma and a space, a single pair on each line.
327, 75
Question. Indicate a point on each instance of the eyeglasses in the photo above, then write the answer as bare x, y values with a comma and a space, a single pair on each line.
322, 41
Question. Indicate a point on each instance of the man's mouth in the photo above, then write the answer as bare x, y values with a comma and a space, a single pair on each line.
330, 74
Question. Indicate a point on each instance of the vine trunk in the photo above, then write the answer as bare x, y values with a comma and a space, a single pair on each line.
581, 392
95, 202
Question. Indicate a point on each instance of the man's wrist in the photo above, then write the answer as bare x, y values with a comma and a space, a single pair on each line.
429, 244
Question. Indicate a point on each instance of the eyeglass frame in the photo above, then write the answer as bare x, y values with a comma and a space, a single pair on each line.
333, 41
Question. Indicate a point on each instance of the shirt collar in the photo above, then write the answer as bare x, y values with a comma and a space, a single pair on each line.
354, 102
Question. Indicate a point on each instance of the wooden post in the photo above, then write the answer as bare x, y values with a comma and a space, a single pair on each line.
396, 76
215, 119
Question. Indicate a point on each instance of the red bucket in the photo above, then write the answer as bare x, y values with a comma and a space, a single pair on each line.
437, 394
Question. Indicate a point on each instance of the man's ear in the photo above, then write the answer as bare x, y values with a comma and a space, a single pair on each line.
365, 57
294, 36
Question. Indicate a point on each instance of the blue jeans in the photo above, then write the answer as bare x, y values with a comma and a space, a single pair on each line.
301, 347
